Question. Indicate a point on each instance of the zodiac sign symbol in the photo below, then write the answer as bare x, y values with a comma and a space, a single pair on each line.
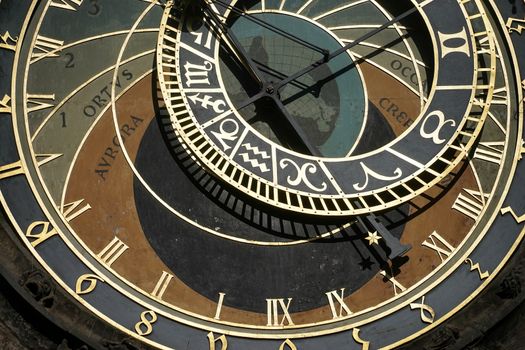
206, 101
369, 172
434, 135
197, 73
254, 162
225, 135
302, 174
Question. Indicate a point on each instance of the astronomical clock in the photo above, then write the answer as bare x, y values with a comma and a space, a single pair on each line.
263, 174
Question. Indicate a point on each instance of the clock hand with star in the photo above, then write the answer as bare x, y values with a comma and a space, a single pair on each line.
397, 249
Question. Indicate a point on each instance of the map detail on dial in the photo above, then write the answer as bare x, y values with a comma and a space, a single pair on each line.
264, 174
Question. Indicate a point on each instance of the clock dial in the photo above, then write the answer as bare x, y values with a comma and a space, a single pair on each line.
289, 177
264, 174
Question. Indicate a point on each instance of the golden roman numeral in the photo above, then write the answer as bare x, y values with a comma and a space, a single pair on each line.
273, 306
437, 243
500, 96
219, 306
162, 284
398, 287
46, 47
10, 170
344, 310
41, 231
112, 251
16, 168
43, 159
73, 210
471, 204
491, 152
36, 102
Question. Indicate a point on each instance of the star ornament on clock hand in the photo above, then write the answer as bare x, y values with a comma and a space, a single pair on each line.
373, 238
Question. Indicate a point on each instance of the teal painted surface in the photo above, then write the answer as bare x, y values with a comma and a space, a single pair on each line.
332, 114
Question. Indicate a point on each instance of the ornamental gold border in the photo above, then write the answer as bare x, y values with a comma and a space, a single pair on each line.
303, 325
133, 298
317, 323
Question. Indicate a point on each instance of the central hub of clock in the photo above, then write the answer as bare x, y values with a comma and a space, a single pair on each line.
328, 104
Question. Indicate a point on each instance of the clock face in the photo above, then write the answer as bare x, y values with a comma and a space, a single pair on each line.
292, 174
